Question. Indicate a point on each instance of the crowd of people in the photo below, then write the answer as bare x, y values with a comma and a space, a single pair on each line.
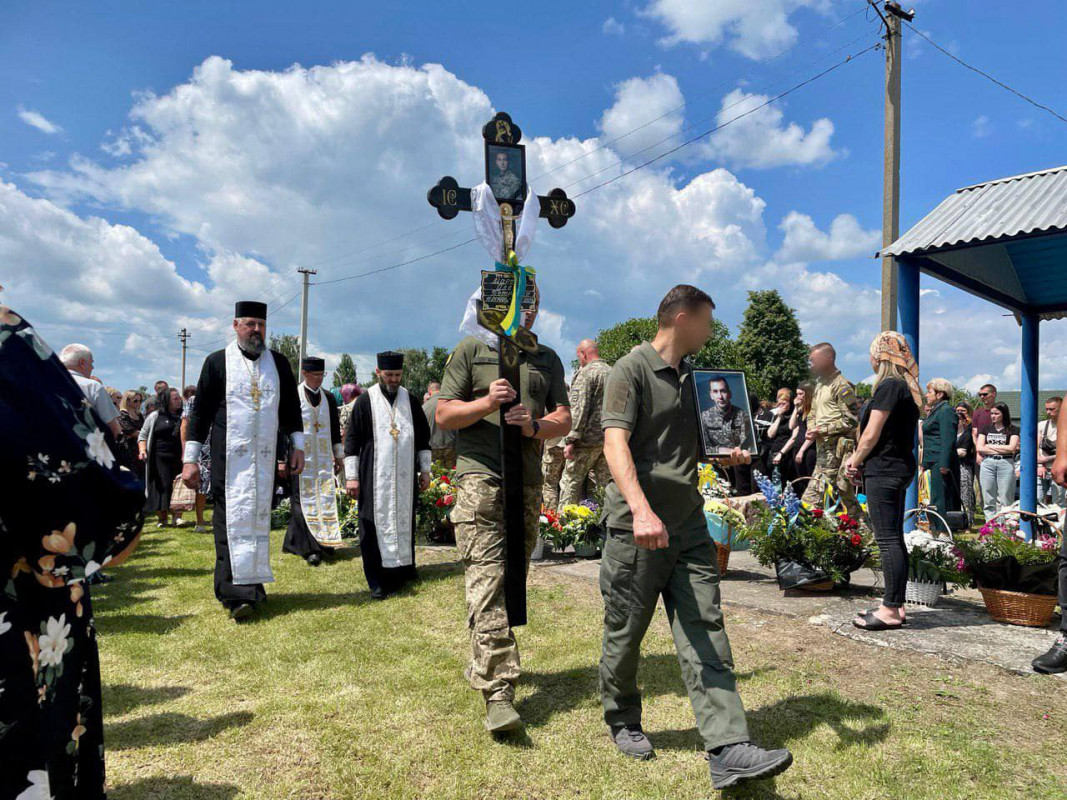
628, 434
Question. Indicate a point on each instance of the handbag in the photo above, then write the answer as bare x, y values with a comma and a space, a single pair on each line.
182, 498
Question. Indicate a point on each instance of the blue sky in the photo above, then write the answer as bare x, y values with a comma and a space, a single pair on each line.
127, 132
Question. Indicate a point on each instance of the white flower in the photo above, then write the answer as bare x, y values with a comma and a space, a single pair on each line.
96, 448
93, 566
39, 788
54, 641
5, 626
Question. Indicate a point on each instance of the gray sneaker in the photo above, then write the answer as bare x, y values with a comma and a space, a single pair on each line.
632, 742
746, 762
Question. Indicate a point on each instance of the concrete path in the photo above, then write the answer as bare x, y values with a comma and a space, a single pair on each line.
958, 629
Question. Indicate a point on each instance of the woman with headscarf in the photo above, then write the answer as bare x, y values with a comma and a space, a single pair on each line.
885, 458
161, 450
939, 450
67, 509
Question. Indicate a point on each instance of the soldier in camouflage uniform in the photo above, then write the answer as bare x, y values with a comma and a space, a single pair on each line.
470, 400
726, 426
584, 448
832, 427
552, 466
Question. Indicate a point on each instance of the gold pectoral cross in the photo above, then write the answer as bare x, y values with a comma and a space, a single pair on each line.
317, 427
394, 431
256, 393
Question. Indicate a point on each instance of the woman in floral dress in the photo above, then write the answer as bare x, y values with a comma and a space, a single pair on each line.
66, 510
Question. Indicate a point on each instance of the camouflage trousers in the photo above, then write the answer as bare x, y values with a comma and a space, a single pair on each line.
552, 463
587, 461
830, 458
478, 517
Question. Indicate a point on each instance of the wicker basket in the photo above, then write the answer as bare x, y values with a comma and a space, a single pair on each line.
1019, 608
921, 593
722, 552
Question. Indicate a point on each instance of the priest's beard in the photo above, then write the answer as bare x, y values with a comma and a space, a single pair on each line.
253, 345
390, 390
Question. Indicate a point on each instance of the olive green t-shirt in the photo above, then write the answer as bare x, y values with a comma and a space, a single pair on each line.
655, 402
471, 369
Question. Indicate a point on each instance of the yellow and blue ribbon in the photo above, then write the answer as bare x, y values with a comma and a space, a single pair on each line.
510, 323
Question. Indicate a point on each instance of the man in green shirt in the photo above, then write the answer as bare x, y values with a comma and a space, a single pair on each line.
658, 544
470, 399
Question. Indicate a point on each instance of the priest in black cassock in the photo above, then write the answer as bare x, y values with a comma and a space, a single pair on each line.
314, 529
387, 462
247, 399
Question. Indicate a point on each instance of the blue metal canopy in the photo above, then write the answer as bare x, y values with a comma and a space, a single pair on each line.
1004, 241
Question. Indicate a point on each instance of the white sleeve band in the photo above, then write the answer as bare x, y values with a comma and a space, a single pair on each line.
424, 460
351, 468
297, 440
338, 451
192, 452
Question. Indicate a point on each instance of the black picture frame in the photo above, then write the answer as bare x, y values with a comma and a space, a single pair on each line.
516, 154
718, 441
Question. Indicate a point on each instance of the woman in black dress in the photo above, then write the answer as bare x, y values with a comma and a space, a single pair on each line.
161, 450
965, 451
779, 436
66, 510
885, 456
799, 450
130, 422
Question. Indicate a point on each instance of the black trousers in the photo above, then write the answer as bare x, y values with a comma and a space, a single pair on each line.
885, 505
226, 591
1063, 584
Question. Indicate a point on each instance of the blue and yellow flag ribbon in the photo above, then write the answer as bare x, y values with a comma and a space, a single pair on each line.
510, 323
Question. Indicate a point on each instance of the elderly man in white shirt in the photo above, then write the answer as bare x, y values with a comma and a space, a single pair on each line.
78, 359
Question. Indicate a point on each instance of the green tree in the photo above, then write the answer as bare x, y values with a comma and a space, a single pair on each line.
720, 352
345, 372
770, 344
864, 391
289, 346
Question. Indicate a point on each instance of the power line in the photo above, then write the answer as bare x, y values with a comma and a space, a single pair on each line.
719, 127
987, 76
397, 266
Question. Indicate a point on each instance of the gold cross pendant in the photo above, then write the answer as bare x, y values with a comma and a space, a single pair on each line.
316, 426
394, 431
256, 394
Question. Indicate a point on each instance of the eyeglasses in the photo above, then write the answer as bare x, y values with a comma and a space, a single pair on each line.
983, 394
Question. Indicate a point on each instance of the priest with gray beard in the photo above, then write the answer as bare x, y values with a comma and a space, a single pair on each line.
387, 463
249, 404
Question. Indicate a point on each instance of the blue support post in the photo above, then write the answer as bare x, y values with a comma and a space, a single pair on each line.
908, 314
1028, 420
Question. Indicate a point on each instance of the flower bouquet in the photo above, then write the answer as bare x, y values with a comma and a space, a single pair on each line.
932, 563
582, 522
726, 525
280, 514
347, 514
552, 532
435, 506
809, 549
1018, 579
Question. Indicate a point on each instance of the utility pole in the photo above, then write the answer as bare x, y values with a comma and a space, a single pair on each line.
183, 337
891, 160
304, 313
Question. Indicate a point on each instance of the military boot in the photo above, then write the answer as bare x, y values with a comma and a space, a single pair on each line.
501, 716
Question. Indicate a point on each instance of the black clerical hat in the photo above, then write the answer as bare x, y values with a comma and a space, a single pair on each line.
390, 359
312, 364
250, 308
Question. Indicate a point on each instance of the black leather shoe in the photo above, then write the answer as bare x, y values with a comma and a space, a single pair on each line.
241, 612
1055, 660
314, 559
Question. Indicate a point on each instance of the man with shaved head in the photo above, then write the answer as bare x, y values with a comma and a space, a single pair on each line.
583, 447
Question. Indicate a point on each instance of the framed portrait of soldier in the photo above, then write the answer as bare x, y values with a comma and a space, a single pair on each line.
723, 413
505, 171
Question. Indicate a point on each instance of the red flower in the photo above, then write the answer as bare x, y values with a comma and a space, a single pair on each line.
440, 501
445, 480
857, 540
817, 513
448, 500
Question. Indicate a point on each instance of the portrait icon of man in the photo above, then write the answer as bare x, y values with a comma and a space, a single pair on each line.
725, 425
504, 179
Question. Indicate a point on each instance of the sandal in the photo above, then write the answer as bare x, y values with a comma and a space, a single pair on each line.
871, 622
872, 610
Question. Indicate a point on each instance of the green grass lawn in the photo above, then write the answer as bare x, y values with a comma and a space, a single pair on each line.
330, 695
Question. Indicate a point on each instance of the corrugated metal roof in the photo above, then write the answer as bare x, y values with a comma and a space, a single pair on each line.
988, 212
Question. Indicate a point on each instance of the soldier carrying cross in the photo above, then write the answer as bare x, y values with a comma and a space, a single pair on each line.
503, 392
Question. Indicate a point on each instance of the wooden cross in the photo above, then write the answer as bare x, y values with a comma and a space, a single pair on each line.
505, 172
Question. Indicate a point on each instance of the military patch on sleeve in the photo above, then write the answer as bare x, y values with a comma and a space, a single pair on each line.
616, 397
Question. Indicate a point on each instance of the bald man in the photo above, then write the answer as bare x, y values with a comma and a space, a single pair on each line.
583, 448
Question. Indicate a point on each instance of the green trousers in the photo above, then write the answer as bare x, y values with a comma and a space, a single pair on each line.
686, 574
